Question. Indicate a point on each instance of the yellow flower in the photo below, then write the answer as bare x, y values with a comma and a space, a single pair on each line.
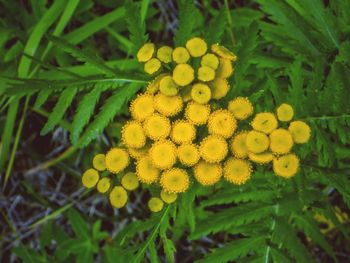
285, 112
142, 107
188, 154
261, 158
223, 52
168, 106
300, 131
257, 142
219, 88
167, 86
222, 122
281, 141
213, 149
90, 178
155, 204
225, 68
201, 93
163, 154
164, 54
145, 53
183, 132
180, 55
117, 160
175, 180
241, 108
152, 66
168, 197
99, 162
237, 171
133, 135
103, 185
157, 127
210, 60
197, 113
183, 74
118, 197
196, 46
138, 153
206, 73
286, 166
146, 172
153, 85
265, 122
207, 173
238, 145
129, 181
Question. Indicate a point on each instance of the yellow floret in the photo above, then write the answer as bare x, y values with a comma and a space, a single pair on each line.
99, 162
183, 132
196, 46
164, 54
281, 141
183, 74
129, 181
237, 171
142, 107
188, 154
207, 173
286, 166
241, 108
265, 122
152, 66
163, 154
222, 122
168, 106
219, 88
118, 197
223, 52
103, 185
168, 197
155, 204
213, 149
197, 113
261, 158
145, 53
201, 93
133, 135
257, 142
225, 68
238, 145
167, 86
175, 180
117, 160
300, 131
138, 153
210, 60
90, 178
146, 172
157, 127
206, 73
153, 85
285, 112
180, 55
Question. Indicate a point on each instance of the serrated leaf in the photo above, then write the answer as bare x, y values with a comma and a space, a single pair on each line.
78, 224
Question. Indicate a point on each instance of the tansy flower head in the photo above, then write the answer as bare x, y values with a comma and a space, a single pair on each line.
152, 66
286, 166
213, 149
133, 135
146, 172
206, 73
99, 162
281, 141
153, 85
142, 107
223, 52
103, 185
257, 142
175, 180
168, 197
183, 132
118, 197
238, 145
265, 122
129, 181
188, 154
222, 122
117, 160
201, 93
138, 153
90, 178
157, 127
155, 204
168, 106
241, 108
207, 173
167, 86
197, 113
261, 158
219, 88
210, 60
237, 171
164, 54
180, 55
285, 112
163, 154
225, 68
146, 52
183, 74
196, 46
300, 131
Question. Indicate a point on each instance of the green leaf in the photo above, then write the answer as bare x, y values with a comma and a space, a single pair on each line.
78, 224
216, 28
28, 255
